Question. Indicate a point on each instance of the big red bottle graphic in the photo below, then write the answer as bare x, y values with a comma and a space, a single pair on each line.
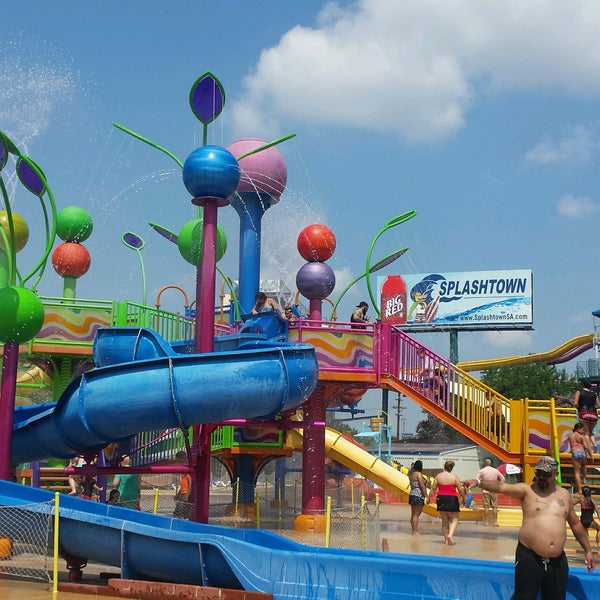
393, 300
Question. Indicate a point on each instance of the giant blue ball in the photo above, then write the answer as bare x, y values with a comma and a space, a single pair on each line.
315, 280
211, 171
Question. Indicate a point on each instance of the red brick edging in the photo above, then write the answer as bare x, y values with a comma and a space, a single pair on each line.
152, 590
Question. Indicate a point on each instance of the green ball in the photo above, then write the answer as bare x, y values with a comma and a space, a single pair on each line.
190, 242
74, 224
21, 314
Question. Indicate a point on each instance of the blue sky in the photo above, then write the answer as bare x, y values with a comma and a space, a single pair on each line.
483, 117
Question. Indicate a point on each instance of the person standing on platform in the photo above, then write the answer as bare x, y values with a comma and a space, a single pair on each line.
581, 450
262, 303
589, 511
359, 315
587, 404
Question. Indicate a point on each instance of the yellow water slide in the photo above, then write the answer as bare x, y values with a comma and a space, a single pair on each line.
560, 354
347, 453
35, 375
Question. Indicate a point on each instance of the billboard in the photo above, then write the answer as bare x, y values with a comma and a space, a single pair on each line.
472, 300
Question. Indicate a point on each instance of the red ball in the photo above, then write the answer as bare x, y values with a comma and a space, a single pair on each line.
316, 243
71, 260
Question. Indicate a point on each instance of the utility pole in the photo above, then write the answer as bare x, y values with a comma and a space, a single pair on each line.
399, 415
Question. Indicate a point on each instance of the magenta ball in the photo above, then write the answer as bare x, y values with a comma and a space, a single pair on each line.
211, 171
315, 280
264, 171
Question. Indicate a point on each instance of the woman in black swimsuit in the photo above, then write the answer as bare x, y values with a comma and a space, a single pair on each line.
587, 404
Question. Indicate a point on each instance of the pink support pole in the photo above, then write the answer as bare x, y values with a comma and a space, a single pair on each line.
313, 454
201, 479
315, 309
205, 280
8, 389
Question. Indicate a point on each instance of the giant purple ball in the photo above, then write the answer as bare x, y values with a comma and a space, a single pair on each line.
315, 280
211, 171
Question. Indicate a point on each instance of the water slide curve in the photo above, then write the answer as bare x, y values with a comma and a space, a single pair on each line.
141, 383
561, 354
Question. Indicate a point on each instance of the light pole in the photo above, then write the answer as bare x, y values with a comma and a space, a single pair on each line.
135, 242
389, 225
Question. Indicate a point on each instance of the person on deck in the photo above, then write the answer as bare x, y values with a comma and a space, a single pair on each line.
581, 450
262, 303
540, 560
490, 499
449, 491
587, 404
416, 497
359, 315
128, 485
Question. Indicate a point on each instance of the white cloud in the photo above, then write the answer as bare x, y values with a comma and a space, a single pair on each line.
574, 148
413, 68
570, 206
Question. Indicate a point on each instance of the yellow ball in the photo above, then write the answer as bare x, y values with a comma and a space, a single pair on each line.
21, 230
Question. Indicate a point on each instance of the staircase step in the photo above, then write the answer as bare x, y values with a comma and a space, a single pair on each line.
510, 517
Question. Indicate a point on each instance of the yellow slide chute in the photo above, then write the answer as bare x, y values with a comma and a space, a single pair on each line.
342, 450
562, 353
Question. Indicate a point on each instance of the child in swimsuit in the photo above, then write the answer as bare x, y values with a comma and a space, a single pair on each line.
580, 448
588, 511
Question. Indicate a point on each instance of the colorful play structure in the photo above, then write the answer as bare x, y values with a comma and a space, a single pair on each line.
118, 370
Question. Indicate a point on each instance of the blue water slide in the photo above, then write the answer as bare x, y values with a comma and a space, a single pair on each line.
162, 548
140, 383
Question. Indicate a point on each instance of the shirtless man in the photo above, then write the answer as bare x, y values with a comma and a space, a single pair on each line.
490, 499
540, 561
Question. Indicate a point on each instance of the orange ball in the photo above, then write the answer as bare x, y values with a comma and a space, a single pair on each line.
71, 260
316, 243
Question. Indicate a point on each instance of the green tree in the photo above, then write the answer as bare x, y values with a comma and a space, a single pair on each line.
538, 381
338, 424
435, 430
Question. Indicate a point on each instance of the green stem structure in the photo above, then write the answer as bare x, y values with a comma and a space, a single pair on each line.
391, 223
11, 255
267, 145
149, 142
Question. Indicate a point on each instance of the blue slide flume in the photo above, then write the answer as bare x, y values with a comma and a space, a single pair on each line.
142, 383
